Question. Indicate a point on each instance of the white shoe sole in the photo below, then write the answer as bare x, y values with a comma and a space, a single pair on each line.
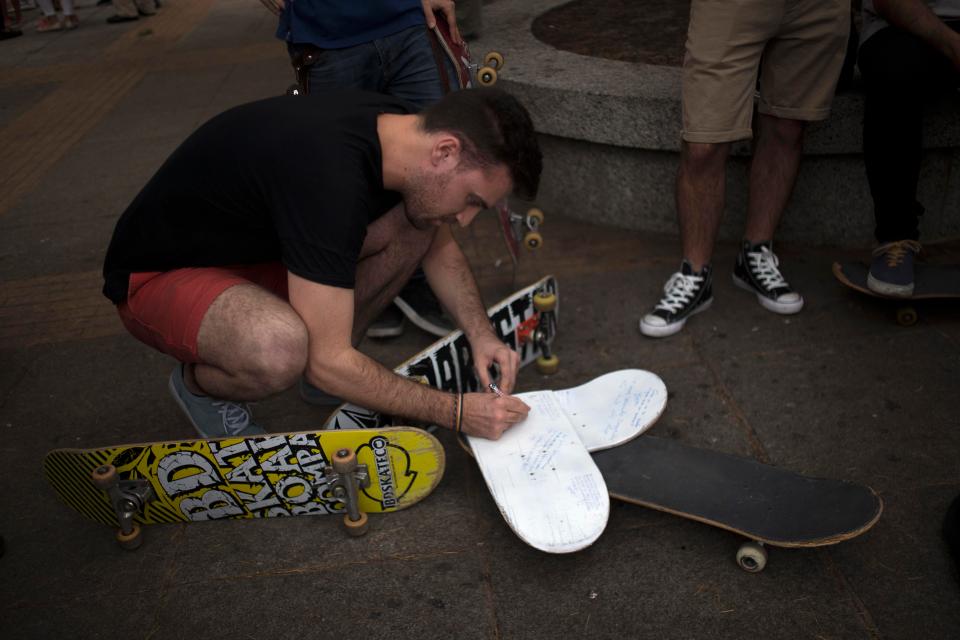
887, 289
419, 320
783, 308
662, 331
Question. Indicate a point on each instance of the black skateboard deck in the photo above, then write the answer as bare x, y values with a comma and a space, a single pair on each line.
931, 282
766, 504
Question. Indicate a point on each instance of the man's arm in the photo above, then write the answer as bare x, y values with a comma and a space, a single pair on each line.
914, 16
449, 275
336, 367
449, 11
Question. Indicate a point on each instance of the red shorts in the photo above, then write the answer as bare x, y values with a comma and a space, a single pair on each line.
164, 308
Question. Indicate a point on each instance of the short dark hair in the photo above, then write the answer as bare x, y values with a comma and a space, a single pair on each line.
493, 128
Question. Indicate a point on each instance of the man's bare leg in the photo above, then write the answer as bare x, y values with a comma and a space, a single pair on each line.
773, 172
253, 344
701, 188
392, 251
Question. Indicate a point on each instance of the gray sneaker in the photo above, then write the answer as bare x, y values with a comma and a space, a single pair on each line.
212, 418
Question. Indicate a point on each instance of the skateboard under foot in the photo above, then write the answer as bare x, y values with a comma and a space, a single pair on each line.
931, 282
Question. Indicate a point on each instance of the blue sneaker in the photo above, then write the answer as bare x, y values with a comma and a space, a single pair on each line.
212, 418
891, 270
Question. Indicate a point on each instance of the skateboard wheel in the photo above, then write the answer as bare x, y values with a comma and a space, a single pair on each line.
548, 365
132, 540
487, 76
906, 316
344, 461
493, 59
104, 476
536, 215
543, 302
532, 240
356, 528
752, 557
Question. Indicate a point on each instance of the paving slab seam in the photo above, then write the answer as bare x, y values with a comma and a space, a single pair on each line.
759, 452
490, 595
166, 587
861, 610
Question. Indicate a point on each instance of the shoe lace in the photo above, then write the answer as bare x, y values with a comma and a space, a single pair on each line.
678, 291
765, 267
235, 417
895, 252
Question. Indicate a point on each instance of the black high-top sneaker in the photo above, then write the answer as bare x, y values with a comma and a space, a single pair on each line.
757, 270
686, 292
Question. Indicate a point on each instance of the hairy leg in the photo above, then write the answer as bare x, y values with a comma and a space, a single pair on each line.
391, 252
252, 345
701, 187
773, 172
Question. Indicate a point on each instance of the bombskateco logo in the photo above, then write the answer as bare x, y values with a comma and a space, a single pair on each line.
381, 458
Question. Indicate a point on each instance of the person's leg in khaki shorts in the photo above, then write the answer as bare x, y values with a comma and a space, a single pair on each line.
724, 46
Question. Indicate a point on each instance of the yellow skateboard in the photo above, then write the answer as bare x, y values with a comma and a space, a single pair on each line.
271, 475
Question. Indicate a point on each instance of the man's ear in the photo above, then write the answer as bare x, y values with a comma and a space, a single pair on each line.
446, 151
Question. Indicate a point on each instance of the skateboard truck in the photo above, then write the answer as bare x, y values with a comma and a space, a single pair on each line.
346, 477
129, 498
545, 304
486, 74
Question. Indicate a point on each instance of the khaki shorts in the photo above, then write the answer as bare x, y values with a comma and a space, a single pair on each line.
798, 47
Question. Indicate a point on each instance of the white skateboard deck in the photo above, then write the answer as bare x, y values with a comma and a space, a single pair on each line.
544, 480
541, 474
615, 408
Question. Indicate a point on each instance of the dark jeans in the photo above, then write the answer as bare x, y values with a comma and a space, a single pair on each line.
900, 72
401, 65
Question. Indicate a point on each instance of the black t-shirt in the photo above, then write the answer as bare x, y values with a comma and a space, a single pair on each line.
291, 178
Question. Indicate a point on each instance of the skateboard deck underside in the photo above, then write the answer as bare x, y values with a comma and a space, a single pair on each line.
758, 501
448, 363
930, 281
274, 475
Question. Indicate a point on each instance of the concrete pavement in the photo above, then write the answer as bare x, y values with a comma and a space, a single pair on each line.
839, 390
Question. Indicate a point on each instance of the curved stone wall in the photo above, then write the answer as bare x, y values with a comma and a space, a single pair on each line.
610, 132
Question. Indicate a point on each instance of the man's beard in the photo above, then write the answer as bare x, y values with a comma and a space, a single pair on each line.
423, 192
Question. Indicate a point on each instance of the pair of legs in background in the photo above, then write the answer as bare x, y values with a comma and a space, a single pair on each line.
235, 334
901, 74
797, 50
